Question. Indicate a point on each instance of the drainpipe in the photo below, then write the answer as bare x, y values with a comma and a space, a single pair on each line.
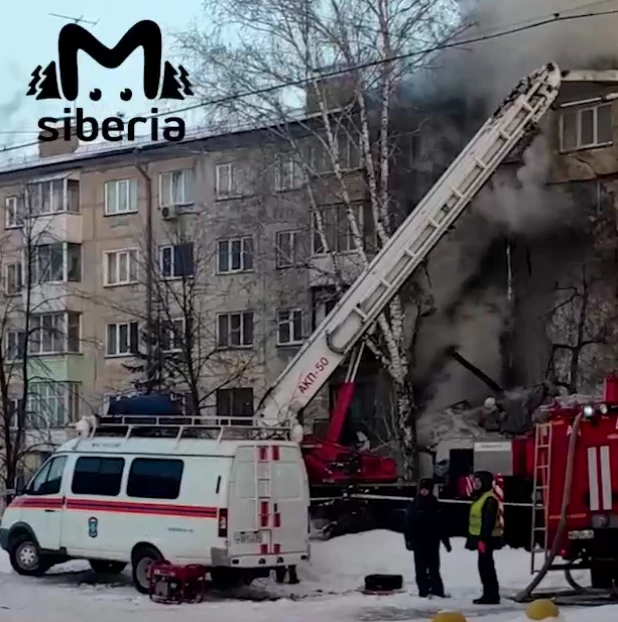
149, 275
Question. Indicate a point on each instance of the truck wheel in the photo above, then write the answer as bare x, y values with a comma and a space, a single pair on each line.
141, 560
383, 582
25, 556
101, 566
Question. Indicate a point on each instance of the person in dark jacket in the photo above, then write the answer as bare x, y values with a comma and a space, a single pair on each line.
485, 536
424, 530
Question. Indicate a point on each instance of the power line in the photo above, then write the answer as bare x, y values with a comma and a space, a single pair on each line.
553, 19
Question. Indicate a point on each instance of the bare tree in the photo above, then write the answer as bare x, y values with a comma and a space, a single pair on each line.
582, 324
353, 59
191, 348
30, 256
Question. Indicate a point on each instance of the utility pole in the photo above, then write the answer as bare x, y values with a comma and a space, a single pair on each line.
75, 20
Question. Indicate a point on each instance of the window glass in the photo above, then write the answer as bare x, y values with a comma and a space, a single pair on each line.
152, 478
97, 476
49, 479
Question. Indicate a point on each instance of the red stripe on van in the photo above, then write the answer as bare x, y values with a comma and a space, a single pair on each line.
275, 452
40, 503
124, 507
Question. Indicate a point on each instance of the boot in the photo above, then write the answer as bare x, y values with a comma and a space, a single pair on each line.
487, 600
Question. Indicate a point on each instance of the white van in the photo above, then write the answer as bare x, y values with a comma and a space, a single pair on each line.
233, 498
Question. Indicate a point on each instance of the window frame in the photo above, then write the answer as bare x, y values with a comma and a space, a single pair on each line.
173, 276
229, 193
132, 331
91, 478
340, 210
229, 391
578, 111
243, 254
70, 396
241, 330
294, 175
132, 254
188, 187
132, 494
174, 335
14, 212
295, 238
290, 321
39, 271
64, 330
132, 193
20, 277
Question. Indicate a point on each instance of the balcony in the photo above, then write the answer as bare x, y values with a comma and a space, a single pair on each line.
64, 226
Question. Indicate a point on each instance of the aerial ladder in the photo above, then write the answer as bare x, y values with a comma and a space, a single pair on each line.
361, 305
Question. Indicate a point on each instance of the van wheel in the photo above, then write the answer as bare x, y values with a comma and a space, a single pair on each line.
101, 566
141, 560
26, 558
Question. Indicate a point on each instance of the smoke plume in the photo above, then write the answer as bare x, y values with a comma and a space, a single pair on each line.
490, 68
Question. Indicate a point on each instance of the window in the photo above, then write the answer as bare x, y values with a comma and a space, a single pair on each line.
121, 267
176, 261
348, 155
13, 212
15, 344
52, 405
122, 339
54, 333
176, 188
48, 480
237, 402
172, 335
289, 327
235, 255
586, 127
14, 278
152, 478
120, 196
235, 330
57, 263
288, 174
51, 197
336, 228
97, 476
225, 186
287, 243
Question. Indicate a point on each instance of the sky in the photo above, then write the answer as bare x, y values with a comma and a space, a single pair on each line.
30, 38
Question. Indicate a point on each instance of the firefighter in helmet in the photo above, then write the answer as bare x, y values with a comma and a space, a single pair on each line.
485, 535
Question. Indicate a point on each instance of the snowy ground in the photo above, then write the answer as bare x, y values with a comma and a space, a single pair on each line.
328, 590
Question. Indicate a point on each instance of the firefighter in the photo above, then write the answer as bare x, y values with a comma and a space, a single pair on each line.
424, 529
485, 536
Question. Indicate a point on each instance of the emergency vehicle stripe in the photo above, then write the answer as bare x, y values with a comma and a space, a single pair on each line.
123, 507
593, 478
606, 477
40, 503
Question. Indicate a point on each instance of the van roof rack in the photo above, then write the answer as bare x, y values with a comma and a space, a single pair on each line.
183, 427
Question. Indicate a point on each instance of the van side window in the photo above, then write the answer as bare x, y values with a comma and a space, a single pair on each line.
97, 476
49, 479
151, 478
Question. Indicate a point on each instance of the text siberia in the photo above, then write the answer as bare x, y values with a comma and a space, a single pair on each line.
114, 129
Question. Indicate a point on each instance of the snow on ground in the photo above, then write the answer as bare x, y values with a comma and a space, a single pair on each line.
328, 590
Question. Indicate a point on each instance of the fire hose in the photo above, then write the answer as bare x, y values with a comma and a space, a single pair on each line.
526, 593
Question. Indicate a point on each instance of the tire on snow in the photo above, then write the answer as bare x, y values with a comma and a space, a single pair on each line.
383, 582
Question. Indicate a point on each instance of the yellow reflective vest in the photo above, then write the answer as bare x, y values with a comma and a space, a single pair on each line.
476, 517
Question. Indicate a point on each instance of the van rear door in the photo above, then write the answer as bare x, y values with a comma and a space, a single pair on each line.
249, 490
290, 502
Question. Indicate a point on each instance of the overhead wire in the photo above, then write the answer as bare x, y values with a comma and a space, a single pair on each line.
504, 32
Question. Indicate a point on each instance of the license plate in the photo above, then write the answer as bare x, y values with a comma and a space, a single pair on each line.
248, 537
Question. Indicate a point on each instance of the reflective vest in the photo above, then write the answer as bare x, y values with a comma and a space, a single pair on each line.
476, 517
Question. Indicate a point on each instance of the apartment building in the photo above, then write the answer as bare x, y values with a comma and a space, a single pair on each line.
227, 213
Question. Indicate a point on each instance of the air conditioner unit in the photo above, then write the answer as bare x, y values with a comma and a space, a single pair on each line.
169, 212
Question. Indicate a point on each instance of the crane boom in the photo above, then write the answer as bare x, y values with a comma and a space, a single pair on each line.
366, 299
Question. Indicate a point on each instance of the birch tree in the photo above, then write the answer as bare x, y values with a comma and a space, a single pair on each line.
353, 61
